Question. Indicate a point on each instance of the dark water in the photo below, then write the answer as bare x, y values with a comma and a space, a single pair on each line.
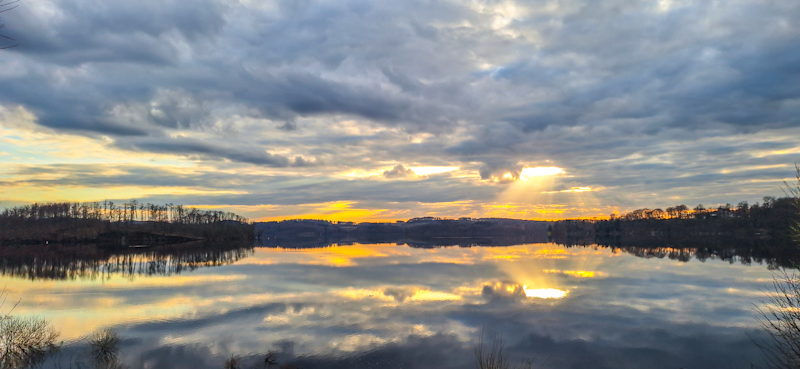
395, 306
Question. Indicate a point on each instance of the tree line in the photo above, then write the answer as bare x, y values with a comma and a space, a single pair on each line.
118, 224
743, 232
127, 212
773, 218
742, 210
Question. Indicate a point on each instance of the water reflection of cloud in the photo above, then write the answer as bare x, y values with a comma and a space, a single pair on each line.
399, 294
336, 255
502, 291
511, 291
358, 254
376, 301
116, 282
445, 280
576, 273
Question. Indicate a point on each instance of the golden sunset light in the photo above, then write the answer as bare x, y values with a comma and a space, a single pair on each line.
529, 173
369, 184
424, 171
544, 293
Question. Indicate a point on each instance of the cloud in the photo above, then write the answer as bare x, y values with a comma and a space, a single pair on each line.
399, 171
187, 146
652, 94
149, 32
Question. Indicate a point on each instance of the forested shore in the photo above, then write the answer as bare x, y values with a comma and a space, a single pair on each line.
773, 219
763, 228
743, 232
109, 224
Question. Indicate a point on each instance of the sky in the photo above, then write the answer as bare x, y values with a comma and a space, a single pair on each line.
384, 110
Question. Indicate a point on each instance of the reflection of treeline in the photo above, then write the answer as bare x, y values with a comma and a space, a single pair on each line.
419, 232
765, 253
745, 233
109, 223
89, 262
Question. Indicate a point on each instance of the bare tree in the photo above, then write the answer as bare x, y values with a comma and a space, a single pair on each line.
24, 342
104, 349
494, 357
780, 315
780, 318
234, 362
793, 191
269, 359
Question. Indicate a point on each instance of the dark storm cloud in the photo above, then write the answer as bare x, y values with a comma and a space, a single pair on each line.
306, 95
74, 33
88, 37
729, 72
694, 73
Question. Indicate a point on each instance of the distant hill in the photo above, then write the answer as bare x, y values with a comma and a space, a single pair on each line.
422, 232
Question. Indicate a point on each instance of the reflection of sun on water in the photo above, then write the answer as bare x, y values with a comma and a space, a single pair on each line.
528, 272
574, 273
544, 293
428, 295
542, 269
336, 255
528, 268
514, 290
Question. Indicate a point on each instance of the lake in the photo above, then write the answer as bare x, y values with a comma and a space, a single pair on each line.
397, 306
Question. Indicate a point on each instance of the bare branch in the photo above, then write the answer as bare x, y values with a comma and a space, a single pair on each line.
495, 357
779, 316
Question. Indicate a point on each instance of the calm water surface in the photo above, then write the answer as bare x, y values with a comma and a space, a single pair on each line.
387, 306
